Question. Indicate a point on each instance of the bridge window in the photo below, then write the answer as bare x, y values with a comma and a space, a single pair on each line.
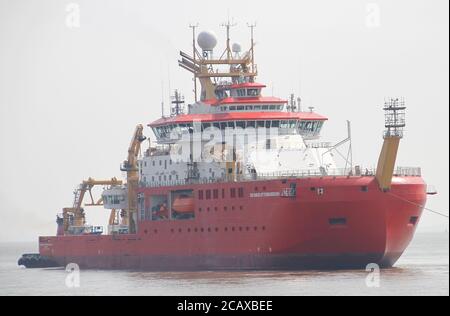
310, 128
205, 126
240, 124
240, 92
253, 92
240, 108
284, 124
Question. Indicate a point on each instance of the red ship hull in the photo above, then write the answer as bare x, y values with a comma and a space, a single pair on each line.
349, 224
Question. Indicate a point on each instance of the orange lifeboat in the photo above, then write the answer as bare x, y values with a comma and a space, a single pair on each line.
183, 204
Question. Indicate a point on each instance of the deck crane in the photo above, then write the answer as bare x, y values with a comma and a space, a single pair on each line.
130, 166
75, 216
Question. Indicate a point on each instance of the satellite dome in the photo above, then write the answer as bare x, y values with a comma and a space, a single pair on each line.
236, 48
207, 40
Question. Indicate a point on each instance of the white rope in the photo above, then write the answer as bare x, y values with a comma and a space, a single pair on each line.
423, 206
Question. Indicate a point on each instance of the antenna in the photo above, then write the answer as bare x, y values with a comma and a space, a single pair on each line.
252, 47
292, 107
229, 24
194, 48
168, 76
162, 98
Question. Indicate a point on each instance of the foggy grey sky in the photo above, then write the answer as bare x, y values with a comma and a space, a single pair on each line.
71, 97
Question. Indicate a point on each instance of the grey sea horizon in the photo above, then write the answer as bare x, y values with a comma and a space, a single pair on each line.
422, 270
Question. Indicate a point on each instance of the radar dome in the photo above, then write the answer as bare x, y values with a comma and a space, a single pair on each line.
207, 40
236, 48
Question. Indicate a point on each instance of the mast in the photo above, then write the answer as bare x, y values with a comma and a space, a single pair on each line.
209, 70
228, 25
177, 104
252, 49
194, 53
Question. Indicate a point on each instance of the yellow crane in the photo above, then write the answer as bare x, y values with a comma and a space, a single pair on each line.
130, 166
394, 123
75, 215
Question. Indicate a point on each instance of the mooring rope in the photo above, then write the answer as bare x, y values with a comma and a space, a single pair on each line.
416, 204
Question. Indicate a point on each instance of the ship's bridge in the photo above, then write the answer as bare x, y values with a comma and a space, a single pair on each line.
307, 124
240, 90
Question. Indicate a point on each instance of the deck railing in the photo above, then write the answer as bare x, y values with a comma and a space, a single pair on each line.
294, 174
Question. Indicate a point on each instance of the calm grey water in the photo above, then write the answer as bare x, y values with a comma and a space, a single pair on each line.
423, 270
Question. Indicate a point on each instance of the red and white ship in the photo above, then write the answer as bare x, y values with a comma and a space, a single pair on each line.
238, 180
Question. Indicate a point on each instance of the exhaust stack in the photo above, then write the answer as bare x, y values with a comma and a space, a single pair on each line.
394, 124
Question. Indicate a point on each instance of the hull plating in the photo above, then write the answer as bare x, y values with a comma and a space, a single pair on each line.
350, 225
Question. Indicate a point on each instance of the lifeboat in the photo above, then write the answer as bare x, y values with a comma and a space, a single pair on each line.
183, 204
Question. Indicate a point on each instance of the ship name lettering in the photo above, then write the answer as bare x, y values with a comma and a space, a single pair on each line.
264, 194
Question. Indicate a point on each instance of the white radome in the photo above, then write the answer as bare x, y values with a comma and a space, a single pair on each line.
237, 48
207, 40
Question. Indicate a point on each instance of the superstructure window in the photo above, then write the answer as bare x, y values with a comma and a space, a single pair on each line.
253, 92
205, 126
251, 124
240, 124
